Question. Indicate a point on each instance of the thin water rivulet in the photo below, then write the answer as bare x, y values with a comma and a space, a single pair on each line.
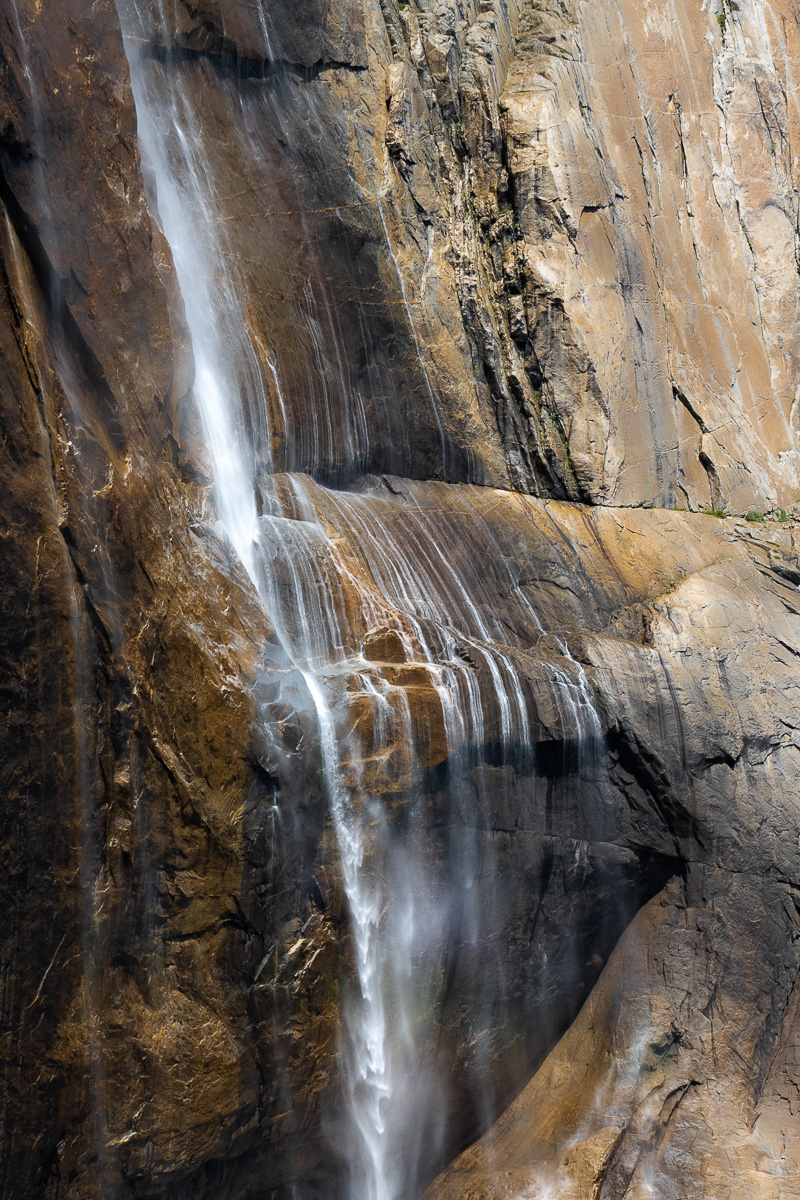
436, 628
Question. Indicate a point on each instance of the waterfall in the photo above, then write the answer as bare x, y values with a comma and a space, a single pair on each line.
377, 609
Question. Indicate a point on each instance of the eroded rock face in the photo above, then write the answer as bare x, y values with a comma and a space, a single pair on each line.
650, 153
632, 1099
122, 838
492, 260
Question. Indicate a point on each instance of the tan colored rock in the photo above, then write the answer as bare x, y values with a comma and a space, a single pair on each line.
650, 152
550, 251
670, 1069
384, 645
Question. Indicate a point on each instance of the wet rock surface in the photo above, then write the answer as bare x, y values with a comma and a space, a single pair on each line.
496, 260
667, 1076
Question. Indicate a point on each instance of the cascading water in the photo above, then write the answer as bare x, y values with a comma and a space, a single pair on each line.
225, 381
396, 621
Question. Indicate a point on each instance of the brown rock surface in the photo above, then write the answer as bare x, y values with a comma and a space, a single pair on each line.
127, 704
548, 249
651, 152
667, 1083
570, 239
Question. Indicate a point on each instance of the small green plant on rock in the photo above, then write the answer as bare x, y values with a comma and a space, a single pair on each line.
753, 514
722, 21
715, 512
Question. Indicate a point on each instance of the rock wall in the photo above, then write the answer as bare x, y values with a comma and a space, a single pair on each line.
527, 274
668, 1083
122, 829
585, 227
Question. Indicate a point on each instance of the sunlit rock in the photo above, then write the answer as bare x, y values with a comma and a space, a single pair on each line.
400, 773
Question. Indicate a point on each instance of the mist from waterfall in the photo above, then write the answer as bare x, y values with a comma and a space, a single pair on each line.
419, 603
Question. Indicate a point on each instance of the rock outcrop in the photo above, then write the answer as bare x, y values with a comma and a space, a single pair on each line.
678, 1077
123, 662
517, 282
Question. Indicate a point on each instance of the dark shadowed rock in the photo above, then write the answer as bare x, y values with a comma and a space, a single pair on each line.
491, 261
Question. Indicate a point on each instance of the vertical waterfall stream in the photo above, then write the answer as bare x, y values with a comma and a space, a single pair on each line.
422, 625
400, 447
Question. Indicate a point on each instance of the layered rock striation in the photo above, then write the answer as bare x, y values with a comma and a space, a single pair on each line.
518, 286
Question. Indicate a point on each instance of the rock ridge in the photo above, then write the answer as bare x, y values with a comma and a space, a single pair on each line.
551, 250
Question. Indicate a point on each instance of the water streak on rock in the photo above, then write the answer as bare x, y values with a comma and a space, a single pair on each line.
406, 664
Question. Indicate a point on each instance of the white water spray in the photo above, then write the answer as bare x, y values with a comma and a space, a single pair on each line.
440, 616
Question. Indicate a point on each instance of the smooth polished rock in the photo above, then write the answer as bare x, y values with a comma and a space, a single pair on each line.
544, 249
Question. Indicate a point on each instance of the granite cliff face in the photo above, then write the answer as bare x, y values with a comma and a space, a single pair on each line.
508, 294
